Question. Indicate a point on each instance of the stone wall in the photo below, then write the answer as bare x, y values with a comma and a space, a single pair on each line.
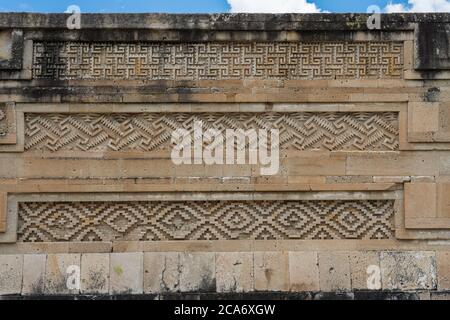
359, 205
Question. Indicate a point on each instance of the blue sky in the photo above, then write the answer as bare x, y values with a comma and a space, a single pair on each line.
211, 6
172, 6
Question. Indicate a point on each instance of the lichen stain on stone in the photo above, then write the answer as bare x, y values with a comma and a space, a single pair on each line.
118, 270
37, 288
207, 284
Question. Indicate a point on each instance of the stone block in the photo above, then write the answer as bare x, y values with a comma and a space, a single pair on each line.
334, 271
427, 206
408, 270
95, 273
58, 269
393, 164
440, 296
423, 117
234, 271
11, 49
443, 210
161, 272
424, 295
197, 272
420, 200
271, 271
431, 46
11, 274
34, 274
3, 208
365, 270
303, 271
126, 273
5, 45
443, 270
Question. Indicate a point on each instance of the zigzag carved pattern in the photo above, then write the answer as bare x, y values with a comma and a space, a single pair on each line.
205, 220
218, 61
152, 131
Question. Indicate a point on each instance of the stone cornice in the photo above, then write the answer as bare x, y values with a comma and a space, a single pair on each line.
222, 22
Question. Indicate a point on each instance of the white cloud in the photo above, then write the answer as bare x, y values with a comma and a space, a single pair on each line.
395, 8
273, 6
420, 6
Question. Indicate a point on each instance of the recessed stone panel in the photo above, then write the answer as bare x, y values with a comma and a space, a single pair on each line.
205, 220
333, 131
218, 61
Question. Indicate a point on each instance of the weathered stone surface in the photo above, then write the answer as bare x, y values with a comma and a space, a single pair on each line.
127, 271
334, 271
197, 272
234, 271
34, 274
412, 270
424, 117
11, 54
427, 206
440, 296
58, 269
365, 270
424, 295
223, 21
432, 52
5, 45
334, 296
95, 273
11, 274
271, 271
303, 271
443, 270
161, 272
389, 295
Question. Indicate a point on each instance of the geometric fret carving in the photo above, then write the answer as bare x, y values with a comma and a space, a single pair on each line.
218, 60
206, 220
368, 131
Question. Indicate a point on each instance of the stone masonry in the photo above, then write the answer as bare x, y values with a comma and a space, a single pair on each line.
92, 204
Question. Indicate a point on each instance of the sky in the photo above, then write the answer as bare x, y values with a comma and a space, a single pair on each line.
219, 6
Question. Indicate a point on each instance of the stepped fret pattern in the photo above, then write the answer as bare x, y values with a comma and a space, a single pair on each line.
205, 220
218, 61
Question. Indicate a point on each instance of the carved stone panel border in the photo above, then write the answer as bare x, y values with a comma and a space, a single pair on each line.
54, 217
